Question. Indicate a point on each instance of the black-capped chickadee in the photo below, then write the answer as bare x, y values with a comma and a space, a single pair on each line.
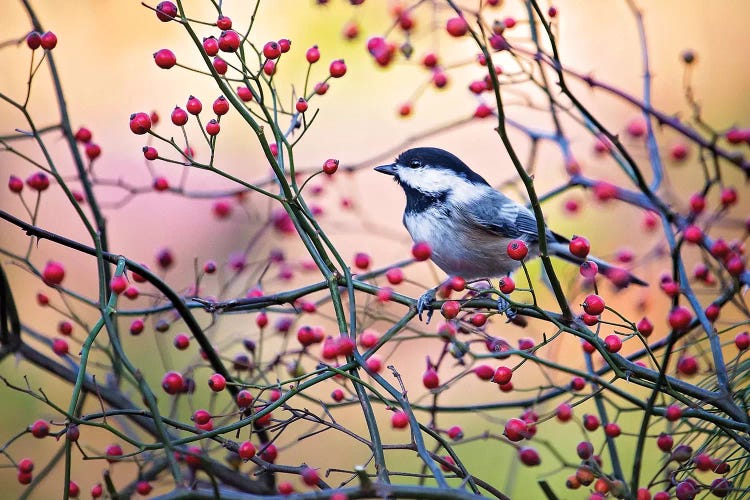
467, 223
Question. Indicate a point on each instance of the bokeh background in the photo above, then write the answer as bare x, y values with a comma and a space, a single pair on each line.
104, 57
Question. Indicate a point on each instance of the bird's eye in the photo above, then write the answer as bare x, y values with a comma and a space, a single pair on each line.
415, 164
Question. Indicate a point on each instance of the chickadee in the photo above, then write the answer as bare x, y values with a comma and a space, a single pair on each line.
467, 223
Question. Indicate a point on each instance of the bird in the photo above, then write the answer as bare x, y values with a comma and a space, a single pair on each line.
468, 224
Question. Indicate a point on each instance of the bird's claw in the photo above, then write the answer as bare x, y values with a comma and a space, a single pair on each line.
504, 307
423, 303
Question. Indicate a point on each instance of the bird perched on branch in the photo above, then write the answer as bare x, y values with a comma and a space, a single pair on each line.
468, 224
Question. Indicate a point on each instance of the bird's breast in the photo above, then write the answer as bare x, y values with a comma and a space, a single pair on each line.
459, 249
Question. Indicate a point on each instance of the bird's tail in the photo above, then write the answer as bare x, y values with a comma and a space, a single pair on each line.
617, 275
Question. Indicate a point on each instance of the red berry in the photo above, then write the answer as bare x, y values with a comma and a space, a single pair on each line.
53, 273
269, 67
368, 338
579, 246
594, 305
399, 419
245, 94
285, 45
194, 105
665, 442
507, 285
693, 234
118, 284
221, 106
39, 429
502, 375
229, 41
15, 184
421, 251
271, 50
25, 465
220, 65
680, 318
517, 250
143, 488
166, 11
430, 378
285, 488
585, 450
150, 153
450, 309
697, 203
165, 58
181, 341
645, 327
394, 275
362, 260
223, 23
374, 364
529, 457
313, 54
455, 433
678, 152
742, 341
73, 489
728, 197
613, 343
590, 422
330, 166
136, 327
38, 181
201, 417
172, 383
49, 41
60, 347
179, 116
244, 398
321, 88
484, 372
33, 40
217, 382
577, 384
246, 450
636, 127
516, 429
301, 105
457, 26
337, 395
612, 430
213, 127
160, 184
673, 413
337, 68
564, 412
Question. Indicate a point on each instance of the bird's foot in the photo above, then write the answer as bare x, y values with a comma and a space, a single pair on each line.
423, 303
504, 307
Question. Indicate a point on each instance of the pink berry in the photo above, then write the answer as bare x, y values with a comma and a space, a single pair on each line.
220, 65
680, 318
457, 26
742, 341
224, 23
15, 184
53, 273
421, 251
613, 343
38, 181
529, 457
166, 11
60, 347
313, 54
33, 40
194, 106
399, 419
165, 58
330, 166
245, 94
39, 429
213, 127
217, 382
594, 305
502, 375
693, 234
49, 41
337, 68
179, 116
673, 413
271, 50
150, 153
430, 378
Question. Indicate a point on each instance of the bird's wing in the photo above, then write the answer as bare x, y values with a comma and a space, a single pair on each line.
497, 214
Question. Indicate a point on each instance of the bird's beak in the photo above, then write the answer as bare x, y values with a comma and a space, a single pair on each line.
386, 169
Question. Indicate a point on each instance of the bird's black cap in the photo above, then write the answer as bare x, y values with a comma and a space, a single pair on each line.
435, 158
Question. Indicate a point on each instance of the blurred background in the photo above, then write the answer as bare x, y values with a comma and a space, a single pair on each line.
104, 57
